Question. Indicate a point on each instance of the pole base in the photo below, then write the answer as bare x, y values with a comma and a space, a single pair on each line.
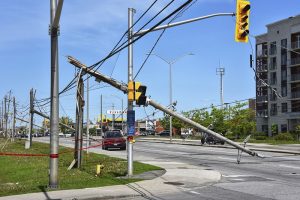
52, 187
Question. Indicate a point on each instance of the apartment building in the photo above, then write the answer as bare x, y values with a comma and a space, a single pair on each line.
278, 69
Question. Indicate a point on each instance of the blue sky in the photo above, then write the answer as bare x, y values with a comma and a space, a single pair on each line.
90, 28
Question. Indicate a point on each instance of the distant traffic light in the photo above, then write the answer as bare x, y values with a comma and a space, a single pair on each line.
137, 92
242, 20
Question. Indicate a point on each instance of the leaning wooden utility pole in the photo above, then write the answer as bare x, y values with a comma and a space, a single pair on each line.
31, 108
79, 123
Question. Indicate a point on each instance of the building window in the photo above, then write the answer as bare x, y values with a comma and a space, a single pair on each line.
265, 129
273, 78
283, 128
273, 48
283, 91
284, 107
273, 110
283, 44
273, 63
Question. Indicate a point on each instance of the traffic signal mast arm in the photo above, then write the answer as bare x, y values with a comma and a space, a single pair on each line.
123, 87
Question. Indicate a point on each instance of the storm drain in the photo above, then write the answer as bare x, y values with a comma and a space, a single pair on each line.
173, 183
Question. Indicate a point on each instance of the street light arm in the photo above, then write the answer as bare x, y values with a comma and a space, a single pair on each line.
178, 58
154, 54
182, 22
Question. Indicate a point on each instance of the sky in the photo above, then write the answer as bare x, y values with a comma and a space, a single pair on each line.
89, 29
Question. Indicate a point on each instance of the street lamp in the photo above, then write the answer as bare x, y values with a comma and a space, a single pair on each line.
170, 63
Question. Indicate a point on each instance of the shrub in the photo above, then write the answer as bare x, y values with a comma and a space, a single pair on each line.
260, 137
284, 137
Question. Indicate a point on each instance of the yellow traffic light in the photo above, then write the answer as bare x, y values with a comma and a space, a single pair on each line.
136, 92
242, 20
131, 91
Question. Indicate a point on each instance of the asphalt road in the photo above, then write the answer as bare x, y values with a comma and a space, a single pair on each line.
277, 176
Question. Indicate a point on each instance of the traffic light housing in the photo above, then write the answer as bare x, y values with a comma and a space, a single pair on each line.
242, 20
137, 92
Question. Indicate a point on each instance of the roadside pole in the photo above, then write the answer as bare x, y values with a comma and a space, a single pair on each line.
5, 118
30, 118
55, 12
87, 117
14, 120
101, 119
79, 122
130, 103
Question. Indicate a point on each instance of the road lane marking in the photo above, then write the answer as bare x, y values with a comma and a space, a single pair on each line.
289, 166
194, 192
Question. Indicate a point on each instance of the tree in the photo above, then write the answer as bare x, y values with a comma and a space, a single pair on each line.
67, 121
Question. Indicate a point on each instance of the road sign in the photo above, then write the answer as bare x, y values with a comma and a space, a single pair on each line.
112, 112
130, 122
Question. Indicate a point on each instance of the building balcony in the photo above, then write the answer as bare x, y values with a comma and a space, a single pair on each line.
262, 113
294, 78
262, 83
295, 61
295, 45
295, 95
262, 68
262, 99
263, 54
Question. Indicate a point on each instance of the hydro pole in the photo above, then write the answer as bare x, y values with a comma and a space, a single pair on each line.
55, 11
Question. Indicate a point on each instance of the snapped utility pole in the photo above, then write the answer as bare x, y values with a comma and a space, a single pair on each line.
79, 123
31, 108
55, 12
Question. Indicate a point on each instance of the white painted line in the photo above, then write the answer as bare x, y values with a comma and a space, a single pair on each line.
237, 179
289, 166
236, 176
194, 192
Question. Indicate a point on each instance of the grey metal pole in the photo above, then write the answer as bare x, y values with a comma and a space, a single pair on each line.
130, 78
87, 117
171, 127
30, 118
101, 119
54, 105
14, 119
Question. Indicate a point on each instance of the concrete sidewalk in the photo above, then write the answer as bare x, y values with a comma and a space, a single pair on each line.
178, 177
283, 148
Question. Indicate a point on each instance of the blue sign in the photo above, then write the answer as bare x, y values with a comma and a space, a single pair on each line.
130, 122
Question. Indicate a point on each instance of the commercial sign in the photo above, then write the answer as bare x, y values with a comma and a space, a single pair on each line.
115, 112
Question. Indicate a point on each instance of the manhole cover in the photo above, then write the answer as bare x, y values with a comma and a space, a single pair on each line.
174, 183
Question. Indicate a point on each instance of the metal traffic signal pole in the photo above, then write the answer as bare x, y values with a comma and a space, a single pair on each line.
130, 103
55, 11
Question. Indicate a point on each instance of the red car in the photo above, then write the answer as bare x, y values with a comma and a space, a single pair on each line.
113, 140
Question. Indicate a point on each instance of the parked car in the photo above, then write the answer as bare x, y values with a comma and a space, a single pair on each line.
209, 139
113, 140
164, 133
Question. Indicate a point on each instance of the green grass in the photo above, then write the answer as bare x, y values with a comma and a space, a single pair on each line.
20, 175
272, 141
